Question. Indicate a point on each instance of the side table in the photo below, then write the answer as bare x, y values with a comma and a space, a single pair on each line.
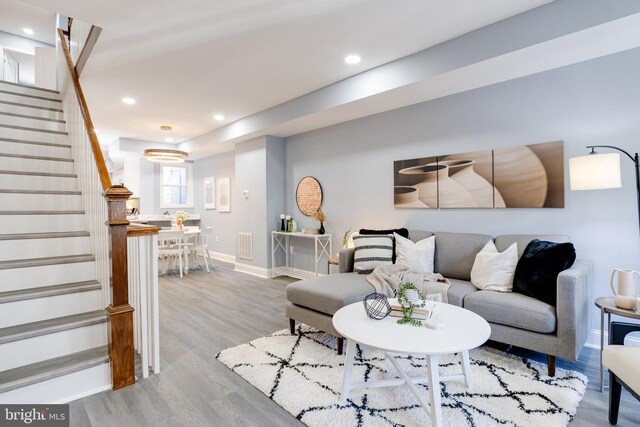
330, 262
606, 305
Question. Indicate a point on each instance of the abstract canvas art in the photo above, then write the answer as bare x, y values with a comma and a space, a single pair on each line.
526, 176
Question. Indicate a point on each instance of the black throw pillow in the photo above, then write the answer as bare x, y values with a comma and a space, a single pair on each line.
538, 268
400, 231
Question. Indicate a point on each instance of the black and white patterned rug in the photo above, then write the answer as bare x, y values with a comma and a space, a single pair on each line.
303, 374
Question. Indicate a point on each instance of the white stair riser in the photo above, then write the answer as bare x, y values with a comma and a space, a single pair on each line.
32, 123
40, 223
31, 350
43, 248
28, 90
47, 275
40, 202
36, 182
34, 310
63, 389
34, 150
27, 100
31, 111
34, 165
32, 135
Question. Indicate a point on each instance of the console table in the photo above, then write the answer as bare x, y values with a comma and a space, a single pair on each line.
281, 240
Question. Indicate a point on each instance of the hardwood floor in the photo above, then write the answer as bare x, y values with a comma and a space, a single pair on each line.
205, 313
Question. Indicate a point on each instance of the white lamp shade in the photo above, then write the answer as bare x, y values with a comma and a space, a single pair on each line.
595, 172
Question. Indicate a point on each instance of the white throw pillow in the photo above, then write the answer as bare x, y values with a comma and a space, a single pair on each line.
417, 256
492, 270
370, 251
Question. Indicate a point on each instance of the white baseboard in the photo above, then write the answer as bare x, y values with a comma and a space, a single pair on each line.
264, 273
593, 340
223, 257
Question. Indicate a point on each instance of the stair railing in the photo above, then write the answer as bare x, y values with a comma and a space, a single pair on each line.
107, 222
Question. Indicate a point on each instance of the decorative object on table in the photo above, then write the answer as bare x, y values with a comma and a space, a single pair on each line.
601, 171
528, 176
409, 298
210, 193
282, 227
310, 230
224, 194
625, 294
309, 195
376, 306
181, 217
133, 206
320, 217
345, 238
294, 226
272, 364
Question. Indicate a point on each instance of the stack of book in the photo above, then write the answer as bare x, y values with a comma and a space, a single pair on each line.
418, 313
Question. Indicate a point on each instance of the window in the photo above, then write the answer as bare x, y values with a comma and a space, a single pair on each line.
177, 186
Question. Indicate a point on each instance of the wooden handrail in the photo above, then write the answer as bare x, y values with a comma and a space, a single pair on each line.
105, 180
120, 312
142, 230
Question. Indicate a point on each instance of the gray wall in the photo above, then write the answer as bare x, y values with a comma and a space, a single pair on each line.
596, 102
223, 236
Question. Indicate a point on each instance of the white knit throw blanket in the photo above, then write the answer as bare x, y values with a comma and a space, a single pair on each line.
386, 279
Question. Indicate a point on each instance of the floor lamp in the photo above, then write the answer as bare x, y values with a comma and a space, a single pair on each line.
600, 171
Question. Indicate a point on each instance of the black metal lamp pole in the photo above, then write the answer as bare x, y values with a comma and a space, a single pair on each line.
634, 159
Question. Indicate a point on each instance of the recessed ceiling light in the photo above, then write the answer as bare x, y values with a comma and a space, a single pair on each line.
129, 101
169, 139
219, 117
28, 31
352, 59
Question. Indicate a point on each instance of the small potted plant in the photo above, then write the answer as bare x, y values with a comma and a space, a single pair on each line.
320, 217
409, 298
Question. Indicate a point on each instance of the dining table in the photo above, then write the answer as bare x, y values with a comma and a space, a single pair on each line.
191, 234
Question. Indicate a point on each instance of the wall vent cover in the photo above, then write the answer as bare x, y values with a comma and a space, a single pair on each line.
245, 245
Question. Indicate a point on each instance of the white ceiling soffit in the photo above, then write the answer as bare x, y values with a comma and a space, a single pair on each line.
184, 61
471, 61
16, 15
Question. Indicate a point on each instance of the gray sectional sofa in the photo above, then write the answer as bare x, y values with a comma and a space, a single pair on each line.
515, 319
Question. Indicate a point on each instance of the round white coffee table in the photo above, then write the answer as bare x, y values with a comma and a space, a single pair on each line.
462, 331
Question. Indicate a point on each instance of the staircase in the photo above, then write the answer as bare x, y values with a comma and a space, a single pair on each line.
53, 327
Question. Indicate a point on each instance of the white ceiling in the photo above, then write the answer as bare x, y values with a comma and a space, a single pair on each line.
16, 15
184, 61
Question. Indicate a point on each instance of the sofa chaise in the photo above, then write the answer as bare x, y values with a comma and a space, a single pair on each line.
515, 319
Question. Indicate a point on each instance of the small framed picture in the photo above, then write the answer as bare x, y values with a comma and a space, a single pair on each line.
210, 193
224, 194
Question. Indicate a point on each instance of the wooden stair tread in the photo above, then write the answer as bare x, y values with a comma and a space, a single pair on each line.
39, 262
49, 235
30, 87
25, 156
42, 212
56, 132
26, 116
19, 104
49, 174
49, 291
26, 95
51, 326
54, 192
26, 141
52, 368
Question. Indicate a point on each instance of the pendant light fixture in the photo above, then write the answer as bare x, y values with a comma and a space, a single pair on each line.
163, 155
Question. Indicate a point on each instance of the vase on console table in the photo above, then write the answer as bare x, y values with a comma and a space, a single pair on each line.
321, 230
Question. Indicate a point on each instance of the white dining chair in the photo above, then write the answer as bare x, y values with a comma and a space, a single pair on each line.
172, 247
201, 247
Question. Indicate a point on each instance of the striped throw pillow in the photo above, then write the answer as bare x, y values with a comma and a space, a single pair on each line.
371, 251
